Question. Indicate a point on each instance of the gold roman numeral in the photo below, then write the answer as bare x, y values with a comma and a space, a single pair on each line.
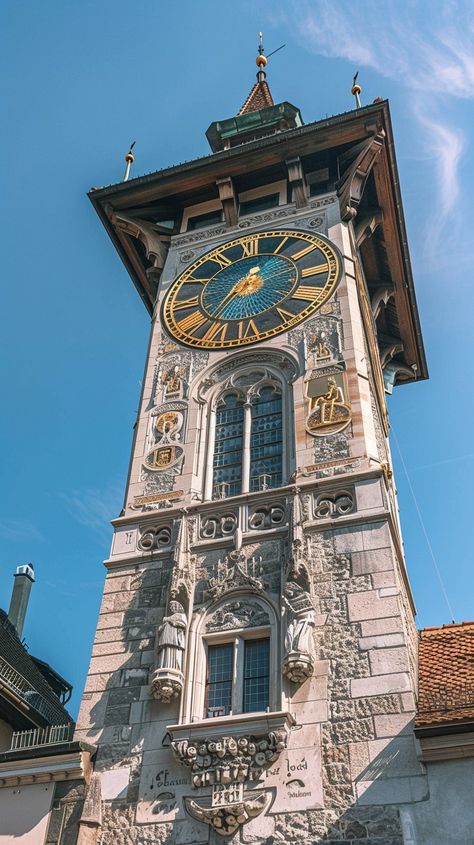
191, 280
221, 260
192, 322
302, 252
250, 328
217, 331
281, 244
250, 248
313, 271
186, 303
285, 315
306, 292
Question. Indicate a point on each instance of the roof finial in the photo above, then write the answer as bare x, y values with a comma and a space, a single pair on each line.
129, 158
356, 90
261, 59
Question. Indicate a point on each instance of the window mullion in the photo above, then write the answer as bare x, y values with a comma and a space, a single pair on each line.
238, 683
246, 447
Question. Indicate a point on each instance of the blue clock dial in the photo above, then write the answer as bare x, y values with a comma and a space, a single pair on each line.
249, 286
252, 288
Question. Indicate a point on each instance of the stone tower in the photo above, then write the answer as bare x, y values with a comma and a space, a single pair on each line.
253, 675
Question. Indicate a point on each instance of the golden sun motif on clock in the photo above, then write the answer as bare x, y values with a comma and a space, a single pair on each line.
251, 289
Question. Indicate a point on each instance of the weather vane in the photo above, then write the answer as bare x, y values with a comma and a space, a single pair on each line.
356, 90
261, 59
129, 158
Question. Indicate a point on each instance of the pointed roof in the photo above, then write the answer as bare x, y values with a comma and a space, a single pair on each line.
258, 98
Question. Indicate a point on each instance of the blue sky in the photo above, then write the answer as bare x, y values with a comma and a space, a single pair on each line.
82, 80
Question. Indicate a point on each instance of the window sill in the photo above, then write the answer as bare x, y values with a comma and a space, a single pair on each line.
239, 724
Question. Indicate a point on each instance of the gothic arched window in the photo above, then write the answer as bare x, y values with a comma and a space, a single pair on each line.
266, 440
228, 445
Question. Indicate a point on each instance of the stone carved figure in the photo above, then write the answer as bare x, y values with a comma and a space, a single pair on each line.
298, 661
167, 681
171, 638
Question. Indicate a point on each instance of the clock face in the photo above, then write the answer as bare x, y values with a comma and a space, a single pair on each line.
251, 289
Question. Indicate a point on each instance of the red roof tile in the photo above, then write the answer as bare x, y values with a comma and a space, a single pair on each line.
259, 98
446, 675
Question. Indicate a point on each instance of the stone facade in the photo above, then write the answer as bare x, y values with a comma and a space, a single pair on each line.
309, 569
347, 761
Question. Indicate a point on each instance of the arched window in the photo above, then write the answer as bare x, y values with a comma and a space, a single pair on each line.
266, 440
235, 653
228, 445
248, 439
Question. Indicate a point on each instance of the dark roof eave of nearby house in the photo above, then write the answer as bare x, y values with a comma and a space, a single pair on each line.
444, 728
52, 750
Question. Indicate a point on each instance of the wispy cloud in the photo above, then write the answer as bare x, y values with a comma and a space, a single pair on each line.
94, 508
19, 530
431, 53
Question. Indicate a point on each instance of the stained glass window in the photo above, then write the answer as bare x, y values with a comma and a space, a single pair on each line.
266, 440
256, 675
253, 672
220, 660
227, 467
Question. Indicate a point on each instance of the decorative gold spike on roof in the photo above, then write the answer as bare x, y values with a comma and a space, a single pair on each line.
259, 96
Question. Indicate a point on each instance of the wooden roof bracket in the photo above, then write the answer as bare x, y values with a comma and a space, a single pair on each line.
380, 297
351, 185
156, 245
296, 178
366, 226
228, 199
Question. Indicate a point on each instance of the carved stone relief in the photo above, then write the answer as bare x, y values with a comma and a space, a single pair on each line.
263, 517
329, 411
154, 537
230, 766
235, 571
331, 504
236, 615
217, 526
298, 662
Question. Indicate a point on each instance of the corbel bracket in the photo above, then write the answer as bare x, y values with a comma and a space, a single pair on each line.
228, 199
351, 185
366, 226
380, 297
297, 182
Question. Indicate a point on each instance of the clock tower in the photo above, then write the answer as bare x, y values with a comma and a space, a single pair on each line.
253, 676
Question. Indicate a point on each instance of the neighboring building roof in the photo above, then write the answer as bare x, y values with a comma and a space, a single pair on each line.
25, 695
446, 676
259, 97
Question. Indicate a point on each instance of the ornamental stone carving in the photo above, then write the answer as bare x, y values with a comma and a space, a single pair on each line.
235, 571
262, 517
228, 768
229, 760
237, 615
298, 662
229, 809
333, 504
154, 537
222, 525
167, 681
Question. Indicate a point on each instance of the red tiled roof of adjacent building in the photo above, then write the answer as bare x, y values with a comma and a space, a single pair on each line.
259, 98
446, 675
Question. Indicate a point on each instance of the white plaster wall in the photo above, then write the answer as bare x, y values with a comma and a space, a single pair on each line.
24, 813
447, 817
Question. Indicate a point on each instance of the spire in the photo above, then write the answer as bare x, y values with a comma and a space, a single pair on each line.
260, 96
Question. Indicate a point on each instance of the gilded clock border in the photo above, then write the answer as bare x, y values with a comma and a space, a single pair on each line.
329, 250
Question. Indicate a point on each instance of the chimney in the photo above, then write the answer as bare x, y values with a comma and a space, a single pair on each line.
24, 577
